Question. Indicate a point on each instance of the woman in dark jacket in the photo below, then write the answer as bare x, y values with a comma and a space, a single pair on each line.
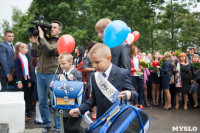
79, 54
166, 71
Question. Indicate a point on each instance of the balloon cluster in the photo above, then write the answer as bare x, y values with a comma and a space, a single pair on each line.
132, 37
117, 32
114, 35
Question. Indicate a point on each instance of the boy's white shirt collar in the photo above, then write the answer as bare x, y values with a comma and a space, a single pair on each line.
107, 72
68, 71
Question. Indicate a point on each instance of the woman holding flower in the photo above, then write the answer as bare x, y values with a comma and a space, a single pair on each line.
155, 79
183, 68
166, 70
195, 85
136, 71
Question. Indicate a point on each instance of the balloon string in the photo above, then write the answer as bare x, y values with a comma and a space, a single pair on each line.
55, 73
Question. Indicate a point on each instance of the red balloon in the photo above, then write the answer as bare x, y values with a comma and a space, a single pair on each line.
136, 35
65, 43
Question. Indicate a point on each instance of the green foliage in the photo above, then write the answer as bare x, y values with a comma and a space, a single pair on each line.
178, 51
5, 25
196, 65
161, 61
163, 26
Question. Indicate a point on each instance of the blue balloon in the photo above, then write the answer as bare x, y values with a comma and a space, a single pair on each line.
129, 29
115, 33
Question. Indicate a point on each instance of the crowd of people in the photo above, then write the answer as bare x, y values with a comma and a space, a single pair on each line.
31, 69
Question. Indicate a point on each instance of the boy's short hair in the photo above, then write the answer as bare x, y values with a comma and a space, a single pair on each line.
102, 23
65, 55
100, 48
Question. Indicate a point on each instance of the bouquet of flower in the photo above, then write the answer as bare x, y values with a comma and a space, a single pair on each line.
153, 65
196, 64
173, 53
143, 63
161, 61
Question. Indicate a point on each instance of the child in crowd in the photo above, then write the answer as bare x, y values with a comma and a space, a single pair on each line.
195, 58
38, 119
113, 79
22, 68
195, 85
121, 54
71, 125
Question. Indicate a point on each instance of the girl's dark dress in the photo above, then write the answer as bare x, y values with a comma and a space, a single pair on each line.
185, 78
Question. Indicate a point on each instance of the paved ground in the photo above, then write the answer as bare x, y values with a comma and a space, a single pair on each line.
161, 121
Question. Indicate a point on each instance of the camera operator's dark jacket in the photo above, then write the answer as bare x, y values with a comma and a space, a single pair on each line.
48, 55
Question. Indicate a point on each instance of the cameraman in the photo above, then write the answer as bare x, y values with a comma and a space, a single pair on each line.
48, 63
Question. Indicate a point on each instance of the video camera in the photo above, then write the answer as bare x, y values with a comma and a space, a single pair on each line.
33, 31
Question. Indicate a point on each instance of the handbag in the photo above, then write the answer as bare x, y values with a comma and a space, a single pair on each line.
178, 82
68, 95
172, 79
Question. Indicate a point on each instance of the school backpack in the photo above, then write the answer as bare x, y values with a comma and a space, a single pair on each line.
68, 95
121, 118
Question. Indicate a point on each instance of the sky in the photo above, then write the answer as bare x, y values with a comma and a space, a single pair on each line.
23, 5
6, 8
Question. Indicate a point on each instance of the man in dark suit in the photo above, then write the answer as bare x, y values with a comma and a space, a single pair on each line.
121, 55
100, 57
7, 60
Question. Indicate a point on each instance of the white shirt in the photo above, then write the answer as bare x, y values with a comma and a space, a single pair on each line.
136, 64
25, 61
68, 71
107, 72
11, 46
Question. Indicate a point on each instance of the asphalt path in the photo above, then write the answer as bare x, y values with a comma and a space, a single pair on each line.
161, 121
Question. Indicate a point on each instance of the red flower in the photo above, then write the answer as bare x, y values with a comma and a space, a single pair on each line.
195, 61
161, 57
155, 63
173, 53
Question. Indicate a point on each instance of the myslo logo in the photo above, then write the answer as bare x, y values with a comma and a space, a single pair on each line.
184, 128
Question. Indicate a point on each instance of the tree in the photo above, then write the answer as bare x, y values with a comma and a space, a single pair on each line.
162, 25
5, 25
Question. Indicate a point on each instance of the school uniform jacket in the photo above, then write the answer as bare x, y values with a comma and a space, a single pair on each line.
120, 79
77, 75
19, 70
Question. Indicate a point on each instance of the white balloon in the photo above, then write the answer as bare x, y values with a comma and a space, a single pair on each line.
130, 38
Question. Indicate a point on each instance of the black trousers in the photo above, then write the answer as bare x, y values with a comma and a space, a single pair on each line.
27, 97
72, 125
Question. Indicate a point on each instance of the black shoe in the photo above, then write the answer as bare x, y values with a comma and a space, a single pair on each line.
46, 129
170, 107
